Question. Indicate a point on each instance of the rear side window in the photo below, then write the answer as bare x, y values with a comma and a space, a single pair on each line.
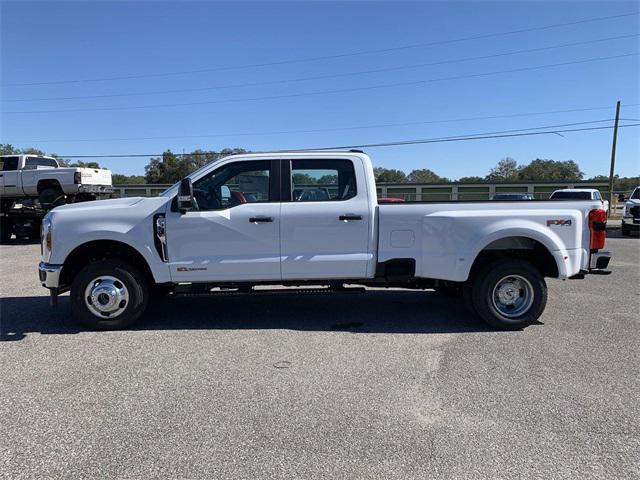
597, 195
40, 162
322, 180
9, 163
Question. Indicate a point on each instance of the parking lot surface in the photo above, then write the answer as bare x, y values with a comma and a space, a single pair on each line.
386, 384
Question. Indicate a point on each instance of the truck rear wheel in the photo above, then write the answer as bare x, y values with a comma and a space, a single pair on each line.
509, 294
108, 295
51, 197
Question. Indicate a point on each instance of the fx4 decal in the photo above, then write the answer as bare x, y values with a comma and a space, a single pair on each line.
559, 222
190, 269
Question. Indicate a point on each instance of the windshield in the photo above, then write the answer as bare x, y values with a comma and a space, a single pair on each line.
571, 196
636, 194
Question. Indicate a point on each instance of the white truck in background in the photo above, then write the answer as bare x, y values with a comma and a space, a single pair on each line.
30, 185
36, 176
631, 213
580, 194
237, 223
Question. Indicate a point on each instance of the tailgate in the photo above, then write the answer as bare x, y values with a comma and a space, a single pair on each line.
95, 176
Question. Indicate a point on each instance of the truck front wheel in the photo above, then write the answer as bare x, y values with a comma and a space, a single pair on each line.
509, 294
108, 295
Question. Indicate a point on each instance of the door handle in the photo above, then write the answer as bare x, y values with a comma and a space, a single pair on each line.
261, 219
349, 216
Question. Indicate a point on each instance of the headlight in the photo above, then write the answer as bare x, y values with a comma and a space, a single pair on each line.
46, 241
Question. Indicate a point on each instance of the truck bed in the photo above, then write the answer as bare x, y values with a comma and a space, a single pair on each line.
445, 236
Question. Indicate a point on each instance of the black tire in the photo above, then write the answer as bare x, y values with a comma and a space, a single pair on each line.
135, 285
6, 229
625, 231
516, 277
51, 197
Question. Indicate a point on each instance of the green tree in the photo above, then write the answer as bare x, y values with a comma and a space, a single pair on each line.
424, 175
172, 167
541, 170
472, 179
389, 175
120, 179
506, 170
82, 164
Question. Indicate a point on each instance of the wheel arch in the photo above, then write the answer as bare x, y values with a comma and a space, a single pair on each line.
523, 247
99, 250
48, 183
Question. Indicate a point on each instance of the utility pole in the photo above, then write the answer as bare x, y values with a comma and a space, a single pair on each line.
613, 156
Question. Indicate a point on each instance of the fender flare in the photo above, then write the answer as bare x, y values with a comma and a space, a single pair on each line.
530, 230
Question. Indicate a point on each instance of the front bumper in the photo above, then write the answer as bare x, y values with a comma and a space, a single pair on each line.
631, 224
49, 275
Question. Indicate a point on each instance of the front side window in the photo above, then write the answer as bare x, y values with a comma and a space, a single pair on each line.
9, 163
322, 180
40, 162
233, 184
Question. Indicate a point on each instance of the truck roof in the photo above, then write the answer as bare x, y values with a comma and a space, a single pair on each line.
27, 155
590, 190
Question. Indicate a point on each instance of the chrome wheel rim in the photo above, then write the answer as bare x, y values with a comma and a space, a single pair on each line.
512, 296
106, 297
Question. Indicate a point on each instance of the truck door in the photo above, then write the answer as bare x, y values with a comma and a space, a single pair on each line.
10, 176
233, 233
325, 220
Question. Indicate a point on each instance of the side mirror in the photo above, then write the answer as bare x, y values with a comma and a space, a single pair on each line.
185, 196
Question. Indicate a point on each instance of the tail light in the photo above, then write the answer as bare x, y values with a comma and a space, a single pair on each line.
77, 178
597, 229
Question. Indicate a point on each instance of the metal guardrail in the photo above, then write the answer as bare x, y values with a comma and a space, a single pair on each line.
419, 191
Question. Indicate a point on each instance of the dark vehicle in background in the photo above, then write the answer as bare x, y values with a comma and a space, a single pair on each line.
631, 214
513, 196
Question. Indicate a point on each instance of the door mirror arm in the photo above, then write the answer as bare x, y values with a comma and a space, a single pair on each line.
185, 196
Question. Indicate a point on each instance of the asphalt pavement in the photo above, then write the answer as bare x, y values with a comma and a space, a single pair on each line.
385, 384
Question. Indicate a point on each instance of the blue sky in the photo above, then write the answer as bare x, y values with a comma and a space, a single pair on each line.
58, 41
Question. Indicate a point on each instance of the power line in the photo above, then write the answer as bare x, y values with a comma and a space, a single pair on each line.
326, 92
476, 136
328, 76
328, 57
332, 129
459, 138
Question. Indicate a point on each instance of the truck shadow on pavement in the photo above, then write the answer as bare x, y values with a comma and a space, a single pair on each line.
396, 312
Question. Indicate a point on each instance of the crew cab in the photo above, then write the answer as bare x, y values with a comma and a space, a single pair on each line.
236, 223
580, 194
35, 176
631, 213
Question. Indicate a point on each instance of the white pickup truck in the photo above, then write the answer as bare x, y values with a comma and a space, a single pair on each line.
580, 194
236, 224
631, 213
35, 176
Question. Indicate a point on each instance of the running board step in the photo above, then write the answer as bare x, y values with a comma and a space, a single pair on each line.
273, 291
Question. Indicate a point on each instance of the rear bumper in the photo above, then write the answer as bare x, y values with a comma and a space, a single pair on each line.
598, 262
83, 188
49, 275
